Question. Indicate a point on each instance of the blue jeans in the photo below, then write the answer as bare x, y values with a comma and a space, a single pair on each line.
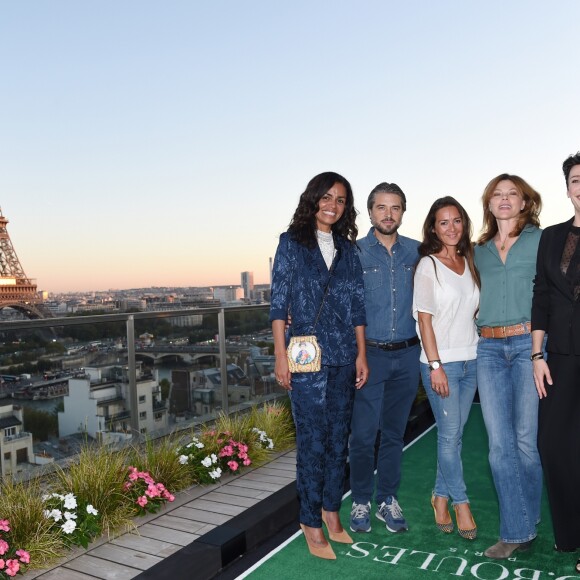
322, 408
451, 414
509, 403
384, 404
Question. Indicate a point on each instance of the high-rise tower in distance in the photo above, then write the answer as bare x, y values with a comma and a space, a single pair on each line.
248, 285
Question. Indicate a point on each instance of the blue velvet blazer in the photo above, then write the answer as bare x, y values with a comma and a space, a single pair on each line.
299, 278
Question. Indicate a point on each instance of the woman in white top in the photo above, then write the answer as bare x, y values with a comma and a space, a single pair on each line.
445, 301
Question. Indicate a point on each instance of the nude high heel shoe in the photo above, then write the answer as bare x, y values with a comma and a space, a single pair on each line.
467, 533
445, 527
341, 537
324, 552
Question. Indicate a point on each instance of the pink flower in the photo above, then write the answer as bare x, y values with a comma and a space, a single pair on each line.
142, 501
24, 556
152, 491
12, 567
4, 526
247, 461
3, 547
227, 451
127, 486
233, 465
2, 564
133, 476
169, 496
160, 487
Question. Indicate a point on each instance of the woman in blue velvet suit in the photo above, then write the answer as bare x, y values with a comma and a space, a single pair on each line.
317, 264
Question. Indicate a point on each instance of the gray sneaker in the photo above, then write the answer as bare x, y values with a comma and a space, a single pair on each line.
360, 517
391, 513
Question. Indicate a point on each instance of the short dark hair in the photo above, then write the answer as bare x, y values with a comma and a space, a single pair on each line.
568, 164
385, 187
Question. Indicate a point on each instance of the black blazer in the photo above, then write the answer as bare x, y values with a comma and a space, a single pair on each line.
554, 309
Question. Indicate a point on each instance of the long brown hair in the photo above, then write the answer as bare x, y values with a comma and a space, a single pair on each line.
529, 215
431, 244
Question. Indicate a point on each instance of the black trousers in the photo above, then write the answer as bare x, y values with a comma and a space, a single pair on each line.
559, 446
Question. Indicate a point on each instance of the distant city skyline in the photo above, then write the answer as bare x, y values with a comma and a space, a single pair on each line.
166, 144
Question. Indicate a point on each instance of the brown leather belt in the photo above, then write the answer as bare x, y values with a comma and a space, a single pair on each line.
505, 331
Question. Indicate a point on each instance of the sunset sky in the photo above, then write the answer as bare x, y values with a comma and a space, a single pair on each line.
149, 143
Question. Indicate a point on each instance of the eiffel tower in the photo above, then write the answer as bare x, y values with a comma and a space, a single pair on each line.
17, 290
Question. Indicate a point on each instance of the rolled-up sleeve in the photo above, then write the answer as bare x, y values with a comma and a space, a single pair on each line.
281, 279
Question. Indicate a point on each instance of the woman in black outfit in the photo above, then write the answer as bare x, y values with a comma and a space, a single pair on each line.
556, 311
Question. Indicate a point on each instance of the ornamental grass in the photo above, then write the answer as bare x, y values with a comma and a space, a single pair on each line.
22, 505
98, 478
275, 419
160, 460
236, 428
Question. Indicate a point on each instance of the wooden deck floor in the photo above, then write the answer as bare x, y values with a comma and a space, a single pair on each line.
193, 513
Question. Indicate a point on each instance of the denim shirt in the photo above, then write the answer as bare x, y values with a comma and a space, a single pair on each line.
388, 281
299, 277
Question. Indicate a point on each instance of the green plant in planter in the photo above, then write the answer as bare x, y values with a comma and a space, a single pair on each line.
77, 522
12, 559
144, 493
158, 458
98, 479
21, 504
275, 419
239, 429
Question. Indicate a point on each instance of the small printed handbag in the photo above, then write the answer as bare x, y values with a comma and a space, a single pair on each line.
304, 353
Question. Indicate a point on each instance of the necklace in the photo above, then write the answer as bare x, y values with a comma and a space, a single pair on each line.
504, 241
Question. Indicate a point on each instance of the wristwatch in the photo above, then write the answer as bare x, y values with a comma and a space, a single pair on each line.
434, 365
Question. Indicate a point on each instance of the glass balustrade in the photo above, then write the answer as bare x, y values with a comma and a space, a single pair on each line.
118, 378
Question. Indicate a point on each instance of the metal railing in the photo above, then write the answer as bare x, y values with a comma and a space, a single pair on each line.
129, 320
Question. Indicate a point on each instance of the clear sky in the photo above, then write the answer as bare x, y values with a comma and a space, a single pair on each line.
162, 143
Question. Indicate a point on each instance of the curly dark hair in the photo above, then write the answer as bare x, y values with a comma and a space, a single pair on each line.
303, 224
568, 164
529, 215
431, 244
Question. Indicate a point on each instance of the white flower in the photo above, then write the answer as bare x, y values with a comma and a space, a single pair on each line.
206, 462
216, 473
190, 444
270, 444
56, 515
70, 516
70, 501
91, 510
69, 526
45, 497
183, 459
47, 514
199, 445
213, 458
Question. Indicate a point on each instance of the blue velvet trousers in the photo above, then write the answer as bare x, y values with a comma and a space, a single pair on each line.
322, 409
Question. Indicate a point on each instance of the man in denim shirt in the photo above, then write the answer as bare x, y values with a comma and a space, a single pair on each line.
388, 261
